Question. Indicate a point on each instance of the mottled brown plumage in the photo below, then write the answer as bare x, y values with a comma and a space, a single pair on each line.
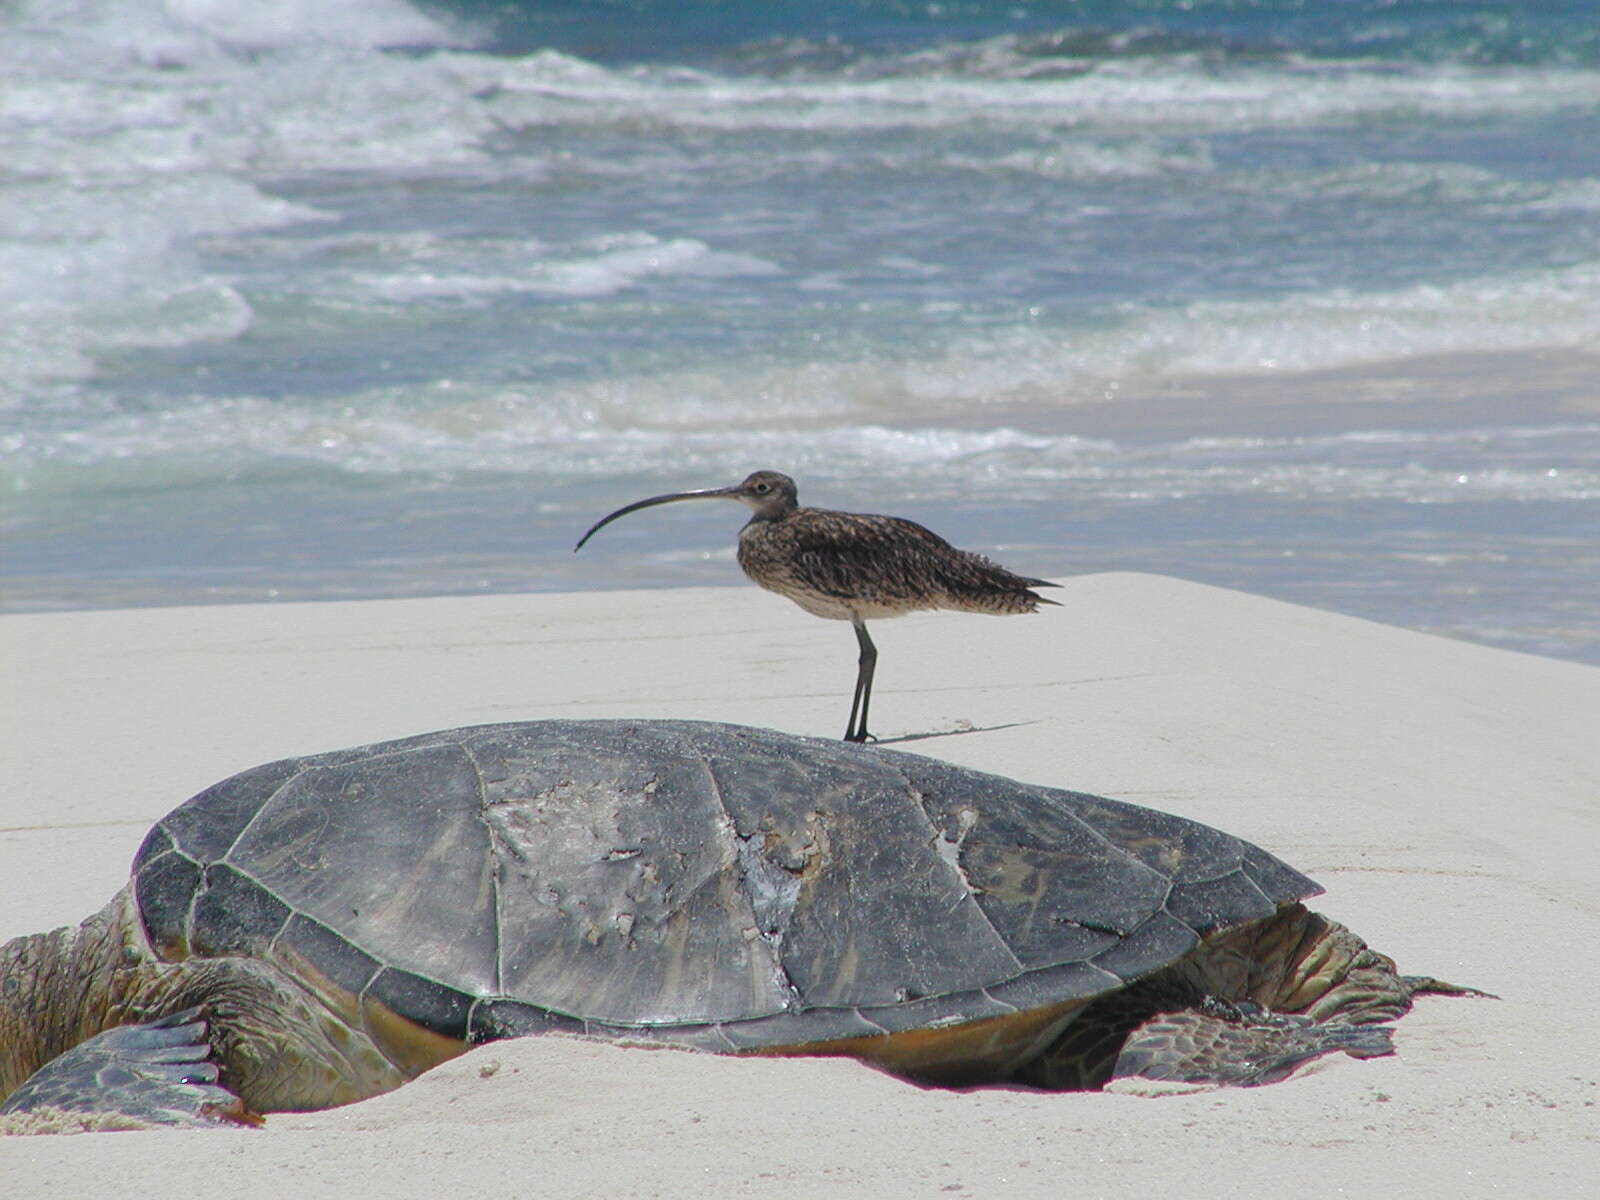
855, 567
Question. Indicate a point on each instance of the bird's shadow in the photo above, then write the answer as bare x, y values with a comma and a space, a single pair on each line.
940, 733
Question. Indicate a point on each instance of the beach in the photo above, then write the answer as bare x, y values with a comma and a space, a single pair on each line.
324, 332
1444, 793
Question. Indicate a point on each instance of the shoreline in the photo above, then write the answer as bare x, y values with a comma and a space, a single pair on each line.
1442, 793
1559, 385
1550, 387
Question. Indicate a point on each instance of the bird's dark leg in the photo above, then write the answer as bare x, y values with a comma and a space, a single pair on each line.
867, 662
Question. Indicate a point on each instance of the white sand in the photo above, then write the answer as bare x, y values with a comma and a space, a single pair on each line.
1447, 795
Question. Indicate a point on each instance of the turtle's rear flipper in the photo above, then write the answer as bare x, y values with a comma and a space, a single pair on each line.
1238, 1044
157, 1073
1427, 985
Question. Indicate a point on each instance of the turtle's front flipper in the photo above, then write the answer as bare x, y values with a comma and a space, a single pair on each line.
157, 1073
1241, 1044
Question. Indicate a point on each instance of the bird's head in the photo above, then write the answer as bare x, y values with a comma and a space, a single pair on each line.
766, 493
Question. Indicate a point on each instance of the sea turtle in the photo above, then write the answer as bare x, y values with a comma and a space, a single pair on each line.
322, 929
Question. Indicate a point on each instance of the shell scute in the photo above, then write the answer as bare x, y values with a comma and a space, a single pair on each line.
1050, 984
233, 914
689, 882
390, 851
1275, 877
491, 1020
1216, 902
864, 845
1042, 867
208, 824
164, 887
331, 956
1179, 850
1160, 940
435, 1006
619, 894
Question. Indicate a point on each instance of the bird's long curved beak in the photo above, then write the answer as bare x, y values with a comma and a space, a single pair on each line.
722, 493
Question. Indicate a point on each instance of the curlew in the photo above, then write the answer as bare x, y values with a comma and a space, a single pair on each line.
854, 567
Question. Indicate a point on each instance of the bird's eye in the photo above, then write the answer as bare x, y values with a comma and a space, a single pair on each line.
761, 489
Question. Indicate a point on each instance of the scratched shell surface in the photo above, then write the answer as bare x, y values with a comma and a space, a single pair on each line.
737, 886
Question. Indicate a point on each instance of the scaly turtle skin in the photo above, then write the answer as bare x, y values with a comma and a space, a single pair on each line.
322, 929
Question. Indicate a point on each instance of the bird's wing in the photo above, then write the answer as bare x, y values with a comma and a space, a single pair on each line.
858, 555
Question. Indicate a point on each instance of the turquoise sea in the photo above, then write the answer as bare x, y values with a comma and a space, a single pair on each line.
304, 301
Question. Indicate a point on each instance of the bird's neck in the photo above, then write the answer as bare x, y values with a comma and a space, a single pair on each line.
770, 514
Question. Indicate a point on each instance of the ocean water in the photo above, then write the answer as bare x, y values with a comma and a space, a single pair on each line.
378, 299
